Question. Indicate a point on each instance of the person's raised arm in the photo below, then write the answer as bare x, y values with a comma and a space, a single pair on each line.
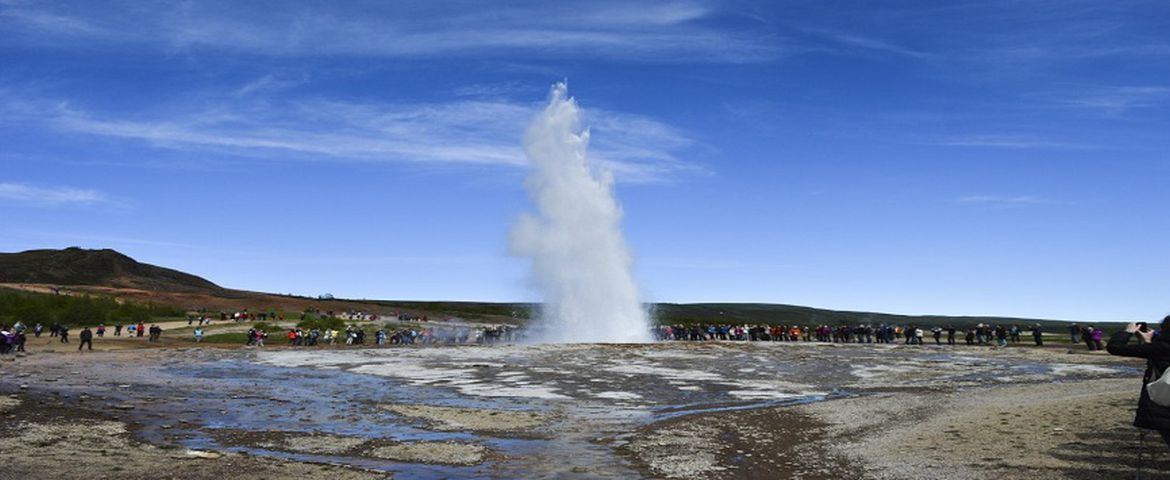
1119, 344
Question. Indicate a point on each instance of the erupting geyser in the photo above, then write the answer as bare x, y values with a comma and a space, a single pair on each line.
579, 258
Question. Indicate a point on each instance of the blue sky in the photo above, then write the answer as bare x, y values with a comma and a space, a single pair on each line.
1003, 158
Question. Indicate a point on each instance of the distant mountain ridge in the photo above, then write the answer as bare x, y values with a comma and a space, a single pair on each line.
106, 267
109, 269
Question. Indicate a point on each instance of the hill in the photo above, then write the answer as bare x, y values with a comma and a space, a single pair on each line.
106, 268
108, 273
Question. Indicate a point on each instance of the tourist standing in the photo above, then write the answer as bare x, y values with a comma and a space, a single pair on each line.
86, 338
1155, 348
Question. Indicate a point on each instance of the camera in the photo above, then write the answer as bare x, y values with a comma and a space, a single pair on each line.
1143, 327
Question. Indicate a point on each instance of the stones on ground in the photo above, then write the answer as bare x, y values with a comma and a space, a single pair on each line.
683, 451
446, 453
475, 419
203, 454
8, 403
321, 444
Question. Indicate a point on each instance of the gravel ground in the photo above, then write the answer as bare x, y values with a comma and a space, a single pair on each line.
448, 453
454, 419
753, 444
689, 411
51, 443
1070, 430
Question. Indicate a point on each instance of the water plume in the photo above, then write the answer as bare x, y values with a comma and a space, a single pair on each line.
580, 261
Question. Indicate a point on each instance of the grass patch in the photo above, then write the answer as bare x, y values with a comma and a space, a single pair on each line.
77, 311
230, 337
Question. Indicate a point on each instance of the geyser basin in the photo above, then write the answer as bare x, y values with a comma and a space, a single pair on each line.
580, 261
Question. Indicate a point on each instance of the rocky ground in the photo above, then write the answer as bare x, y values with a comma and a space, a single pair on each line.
43, 438
689, 411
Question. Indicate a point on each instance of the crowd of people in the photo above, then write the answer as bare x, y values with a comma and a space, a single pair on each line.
352, 335
14, 338
1090, 335
980, 334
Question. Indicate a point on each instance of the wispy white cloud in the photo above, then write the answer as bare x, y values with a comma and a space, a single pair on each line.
658, 13
1004, 200
39, 20
496, 90
656, 31
49, 196
1005, 141
992, 42
1120, 99
466, 132
856, 42
269, 83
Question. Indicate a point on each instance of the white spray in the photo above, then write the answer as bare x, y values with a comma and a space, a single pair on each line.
579, 258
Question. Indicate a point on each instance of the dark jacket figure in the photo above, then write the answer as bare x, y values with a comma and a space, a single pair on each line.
1157, 354
86, 338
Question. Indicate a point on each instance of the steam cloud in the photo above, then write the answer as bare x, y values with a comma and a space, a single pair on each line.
579, 257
